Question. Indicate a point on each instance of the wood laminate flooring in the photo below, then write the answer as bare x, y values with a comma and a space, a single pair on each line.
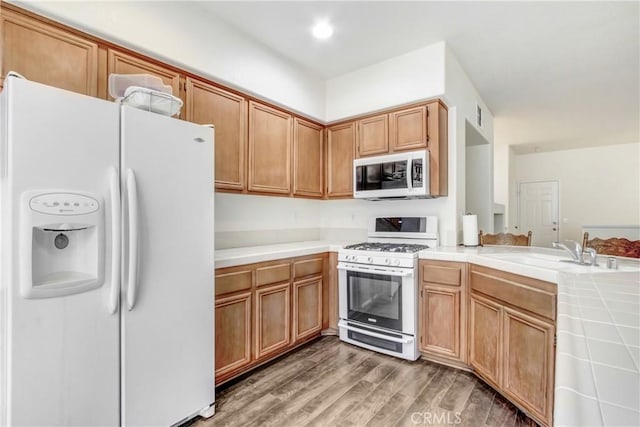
331, 383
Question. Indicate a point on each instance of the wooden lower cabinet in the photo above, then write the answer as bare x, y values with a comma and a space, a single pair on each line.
273, 319
441, 321
265, 309
484, 338
307, 308
442, 309
233, 333
528, 362
511, 338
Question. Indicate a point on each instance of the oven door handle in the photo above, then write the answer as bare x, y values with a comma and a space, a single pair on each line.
377, 335
351, 267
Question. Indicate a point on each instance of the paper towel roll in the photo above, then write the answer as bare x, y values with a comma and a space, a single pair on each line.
470, 230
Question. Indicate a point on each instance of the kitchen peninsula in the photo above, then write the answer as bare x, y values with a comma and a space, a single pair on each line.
596, 328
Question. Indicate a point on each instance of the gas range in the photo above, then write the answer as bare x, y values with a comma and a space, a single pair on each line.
378, 285
393, 241
387, 247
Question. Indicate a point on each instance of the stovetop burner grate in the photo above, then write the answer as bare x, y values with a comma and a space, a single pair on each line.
387, 247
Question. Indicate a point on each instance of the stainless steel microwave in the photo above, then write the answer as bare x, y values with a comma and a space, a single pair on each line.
401, 175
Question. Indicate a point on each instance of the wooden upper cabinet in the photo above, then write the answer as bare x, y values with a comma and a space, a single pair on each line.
123, 63
438, 145
47, 54
308, 167
340, 148
373, 135
208, 104
269, 149
408, 129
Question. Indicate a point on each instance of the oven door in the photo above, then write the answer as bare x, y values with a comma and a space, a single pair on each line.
378, 296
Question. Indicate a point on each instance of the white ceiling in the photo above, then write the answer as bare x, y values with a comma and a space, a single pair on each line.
554, 74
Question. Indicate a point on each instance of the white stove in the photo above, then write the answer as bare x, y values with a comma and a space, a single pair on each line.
378, 289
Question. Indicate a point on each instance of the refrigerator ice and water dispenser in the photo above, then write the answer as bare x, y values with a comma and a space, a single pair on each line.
62, 243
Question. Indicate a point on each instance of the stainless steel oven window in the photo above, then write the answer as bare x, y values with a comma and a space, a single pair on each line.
375, 298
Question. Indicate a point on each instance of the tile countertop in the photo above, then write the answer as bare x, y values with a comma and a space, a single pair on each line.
598, 333
249, 255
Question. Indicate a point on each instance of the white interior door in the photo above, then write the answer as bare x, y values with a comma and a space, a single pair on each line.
167, 323
538, 211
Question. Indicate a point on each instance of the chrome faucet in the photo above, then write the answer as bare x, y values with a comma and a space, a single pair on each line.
575, 249
571, 246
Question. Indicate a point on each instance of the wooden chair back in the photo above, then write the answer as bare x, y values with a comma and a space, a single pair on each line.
505, 239
613, 246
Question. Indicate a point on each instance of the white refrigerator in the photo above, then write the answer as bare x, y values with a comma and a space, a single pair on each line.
107, 269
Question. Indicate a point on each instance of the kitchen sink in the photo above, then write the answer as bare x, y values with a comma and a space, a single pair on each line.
561, 262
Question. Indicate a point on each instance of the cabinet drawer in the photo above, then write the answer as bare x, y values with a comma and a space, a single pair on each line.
443, 274
273, 274
233, 282
525, 293
308, 267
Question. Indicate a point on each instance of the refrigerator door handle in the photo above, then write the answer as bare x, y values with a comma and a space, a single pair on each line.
132, 201
114, 193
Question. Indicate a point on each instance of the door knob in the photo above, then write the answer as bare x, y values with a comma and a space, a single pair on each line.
554, 229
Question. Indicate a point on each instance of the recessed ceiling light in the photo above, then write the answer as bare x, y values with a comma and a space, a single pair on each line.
322, 30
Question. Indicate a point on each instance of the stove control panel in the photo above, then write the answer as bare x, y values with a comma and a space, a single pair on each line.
386, 259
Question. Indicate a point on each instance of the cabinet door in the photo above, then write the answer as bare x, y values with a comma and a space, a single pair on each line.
272, 324
122, 63
307, 308
340, 147
269, 149
438, 143
484, 338
233, 333
49, 55
408, 129
529, 362
208, 104
440, 320
373, 135
307, 159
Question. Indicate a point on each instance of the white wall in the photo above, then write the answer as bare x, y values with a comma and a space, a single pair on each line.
501, 173
411, 77
478, 186
598, 185
182, 34
459, 91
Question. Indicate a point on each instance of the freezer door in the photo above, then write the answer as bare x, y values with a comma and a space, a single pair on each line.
60, 346
167, 311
